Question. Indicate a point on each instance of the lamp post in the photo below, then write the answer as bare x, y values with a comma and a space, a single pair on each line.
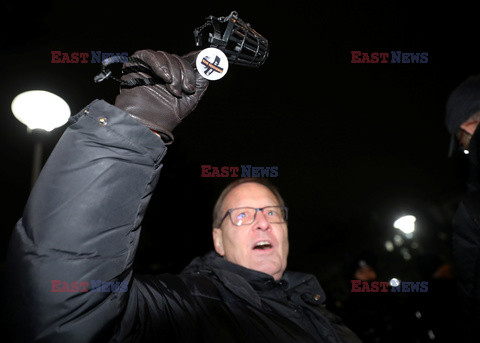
39, 111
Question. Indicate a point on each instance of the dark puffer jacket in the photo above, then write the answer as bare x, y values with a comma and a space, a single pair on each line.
82, 224
466, 245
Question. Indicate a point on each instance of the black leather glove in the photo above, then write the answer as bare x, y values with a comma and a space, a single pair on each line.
164, 105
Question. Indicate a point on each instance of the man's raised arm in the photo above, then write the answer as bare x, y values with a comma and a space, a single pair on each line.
70, 256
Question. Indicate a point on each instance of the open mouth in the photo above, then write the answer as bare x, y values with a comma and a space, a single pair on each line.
262, 245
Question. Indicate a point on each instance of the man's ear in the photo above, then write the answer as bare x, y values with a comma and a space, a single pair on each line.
218, 240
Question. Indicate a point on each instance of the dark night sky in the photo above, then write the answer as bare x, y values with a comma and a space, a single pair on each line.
356, 144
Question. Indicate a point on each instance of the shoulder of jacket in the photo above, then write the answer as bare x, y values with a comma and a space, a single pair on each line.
202, 283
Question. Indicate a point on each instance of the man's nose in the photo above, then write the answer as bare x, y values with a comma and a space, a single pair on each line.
261, 221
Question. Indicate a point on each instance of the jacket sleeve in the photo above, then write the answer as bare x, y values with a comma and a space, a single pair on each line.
80, 229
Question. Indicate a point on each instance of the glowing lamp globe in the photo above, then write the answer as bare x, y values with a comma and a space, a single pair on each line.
39, 109
406, 224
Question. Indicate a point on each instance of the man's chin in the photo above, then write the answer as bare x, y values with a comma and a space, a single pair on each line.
273, 269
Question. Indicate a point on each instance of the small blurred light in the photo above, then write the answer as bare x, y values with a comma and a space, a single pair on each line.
398, 240
389, 246
39, 109
405, 254
406, 224
418, 315
431, 335
394, 282
466, 152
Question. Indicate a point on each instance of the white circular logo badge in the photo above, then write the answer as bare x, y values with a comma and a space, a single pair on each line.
212, 64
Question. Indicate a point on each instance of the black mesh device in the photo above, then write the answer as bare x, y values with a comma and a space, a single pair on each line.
238, 40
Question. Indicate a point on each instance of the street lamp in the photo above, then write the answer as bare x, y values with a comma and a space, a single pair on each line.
40, 111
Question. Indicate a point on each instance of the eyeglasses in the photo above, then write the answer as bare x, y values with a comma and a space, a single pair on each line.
246, 215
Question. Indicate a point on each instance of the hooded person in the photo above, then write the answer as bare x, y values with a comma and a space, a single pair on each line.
462, 118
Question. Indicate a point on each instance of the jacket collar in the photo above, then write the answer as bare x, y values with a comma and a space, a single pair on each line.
248, 284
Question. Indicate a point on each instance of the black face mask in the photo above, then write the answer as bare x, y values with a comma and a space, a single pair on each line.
474, 159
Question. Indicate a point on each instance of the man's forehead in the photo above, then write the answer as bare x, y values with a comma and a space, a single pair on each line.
250, 194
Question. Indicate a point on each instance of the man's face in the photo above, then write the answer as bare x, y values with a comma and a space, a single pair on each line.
238, 244
466, 131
